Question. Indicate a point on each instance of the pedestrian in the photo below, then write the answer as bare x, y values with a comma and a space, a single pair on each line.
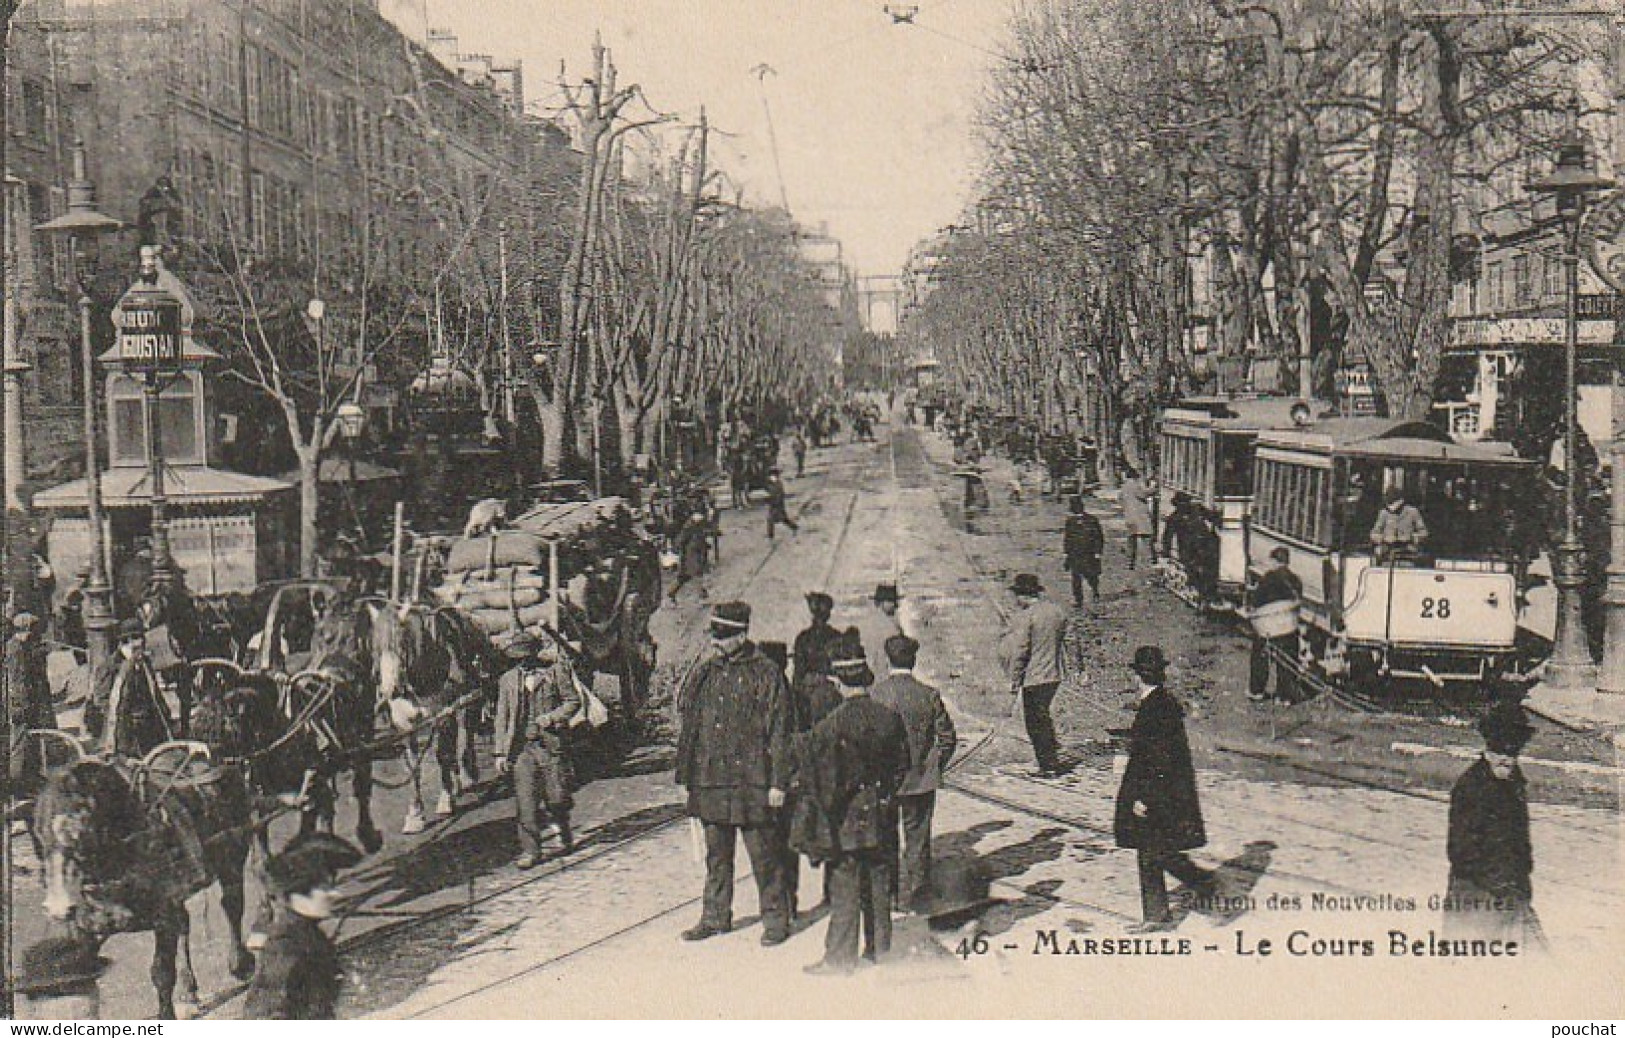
536, 701
798, 447
28, 699
931, 743
693, 542
1158, 814
1082, 543
297, 975
811, 649
776, 511
880, 623
1031, 650
1136, 495
1489, 893
813, 694
59, 979
857, 758
137, 715
734, 712
1275, 637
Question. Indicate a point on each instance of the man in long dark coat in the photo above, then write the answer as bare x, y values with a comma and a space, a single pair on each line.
931, 742
857, 759
1082, 543
298, 975
734, 712
138, 716
1158, 814
811, 649
1491, 858
28, 698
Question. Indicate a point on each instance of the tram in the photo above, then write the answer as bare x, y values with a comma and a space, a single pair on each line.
1207, 457
1446, 614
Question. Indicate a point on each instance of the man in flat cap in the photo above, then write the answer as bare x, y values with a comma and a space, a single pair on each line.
734, 717
58, 979
1491, 858
857, 759
28, 699
1032, 651
931, 742
1278, 584
138, 717
297, 976
1158, 813
537, 698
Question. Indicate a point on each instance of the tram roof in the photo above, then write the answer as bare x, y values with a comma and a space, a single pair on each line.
1233, 412
1393, 438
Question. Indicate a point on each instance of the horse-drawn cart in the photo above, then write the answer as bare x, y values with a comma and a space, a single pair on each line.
607, 576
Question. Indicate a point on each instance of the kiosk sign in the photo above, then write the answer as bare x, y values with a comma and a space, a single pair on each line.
150, 332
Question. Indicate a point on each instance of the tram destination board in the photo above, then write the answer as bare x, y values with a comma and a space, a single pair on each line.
150, 334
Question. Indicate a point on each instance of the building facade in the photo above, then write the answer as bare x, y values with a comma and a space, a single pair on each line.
304, 148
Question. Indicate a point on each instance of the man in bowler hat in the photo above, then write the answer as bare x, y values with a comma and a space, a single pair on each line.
1491, 859
857, 758
1032, 649
1158, 814
734, 711
298, 975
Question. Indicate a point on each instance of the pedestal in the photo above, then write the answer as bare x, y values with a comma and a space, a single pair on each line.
1570, 666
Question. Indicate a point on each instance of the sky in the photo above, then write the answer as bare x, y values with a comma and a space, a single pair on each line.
874, 120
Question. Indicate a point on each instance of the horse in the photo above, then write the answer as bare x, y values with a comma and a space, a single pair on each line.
124, 847
295, 735
424, 660
611, 624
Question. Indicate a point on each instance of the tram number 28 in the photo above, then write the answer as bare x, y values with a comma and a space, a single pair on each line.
1435, 608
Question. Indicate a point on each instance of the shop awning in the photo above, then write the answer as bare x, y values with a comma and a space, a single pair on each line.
127, 487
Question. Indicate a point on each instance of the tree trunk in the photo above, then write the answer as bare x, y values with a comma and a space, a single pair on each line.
310, 500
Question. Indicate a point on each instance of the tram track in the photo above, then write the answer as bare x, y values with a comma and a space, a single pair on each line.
998, 731
405, 922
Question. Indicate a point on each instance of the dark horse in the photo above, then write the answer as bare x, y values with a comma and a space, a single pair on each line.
425, 660
125, 847
296, 734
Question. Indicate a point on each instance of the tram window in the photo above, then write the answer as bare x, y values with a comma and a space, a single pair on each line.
1234, 466
1295, 509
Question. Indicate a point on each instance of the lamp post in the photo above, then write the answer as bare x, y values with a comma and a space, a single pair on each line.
15, 366
352, 420
79, 224
150, 344
1570, 180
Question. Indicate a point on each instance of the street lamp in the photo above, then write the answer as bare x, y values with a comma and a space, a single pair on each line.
79, 224
352, 421
1569, 182
150, 345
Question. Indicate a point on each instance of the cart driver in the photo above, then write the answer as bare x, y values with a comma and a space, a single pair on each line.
1399, 531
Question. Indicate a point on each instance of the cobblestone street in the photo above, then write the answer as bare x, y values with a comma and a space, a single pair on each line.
1297, 810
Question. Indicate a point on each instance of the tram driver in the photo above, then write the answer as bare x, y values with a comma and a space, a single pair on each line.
1399, 531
